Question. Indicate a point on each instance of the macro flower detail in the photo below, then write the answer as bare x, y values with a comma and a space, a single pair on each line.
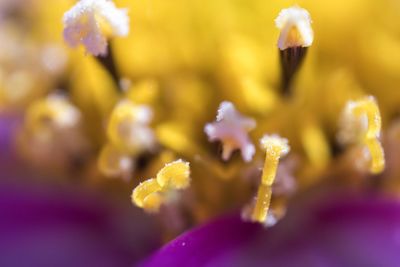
328, 230
129, 135
295, 26
52, 132
92, 22
114, 163
128, 127
231, 128
296, 35
154, 192
143, 120
360, 124
275, 147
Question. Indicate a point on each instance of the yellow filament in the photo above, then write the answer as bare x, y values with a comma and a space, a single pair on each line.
143, 190
377, 156
370, 138
275, 147
262, 203
369, 107
112, 162
123, 114
174, 175
270, 168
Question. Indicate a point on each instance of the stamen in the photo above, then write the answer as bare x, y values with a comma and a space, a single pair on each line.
295, 25
262, 203
377, 163
275, 147
361, 124
154, 192
113, 163
143, 190
295, 36
91, 22
231, 128
174, 175
128, 128
55, 112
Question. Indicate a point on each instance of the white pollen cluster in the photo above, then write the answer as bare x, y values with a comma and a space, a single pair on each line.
91, 22
295, 26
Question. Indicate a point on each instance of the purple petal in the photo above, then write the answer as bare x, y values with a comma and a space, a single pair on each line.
339, 230
58, 225
55, 226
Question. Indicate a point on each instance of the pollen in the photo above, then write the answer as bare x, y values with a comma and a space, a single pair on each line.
231, 128
174, 175
360, 124
275, 147
295, 26
154, 192
91, 22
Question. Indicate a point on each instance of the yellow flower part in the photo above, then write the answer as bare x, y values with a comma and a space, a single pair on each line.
154, 192
51, 113
143, 190
275, 147
174, 175
128, 128
113, 163
263, 201
361, 124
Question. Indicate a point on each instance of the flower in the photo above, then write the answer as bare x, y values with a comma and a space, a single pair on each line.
91, 22
231, 128
146, 100
295, 26
339, 229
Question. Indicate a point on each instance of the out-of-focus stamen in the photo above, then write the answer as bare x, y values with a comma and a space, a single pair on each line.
128, 128
361, 124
